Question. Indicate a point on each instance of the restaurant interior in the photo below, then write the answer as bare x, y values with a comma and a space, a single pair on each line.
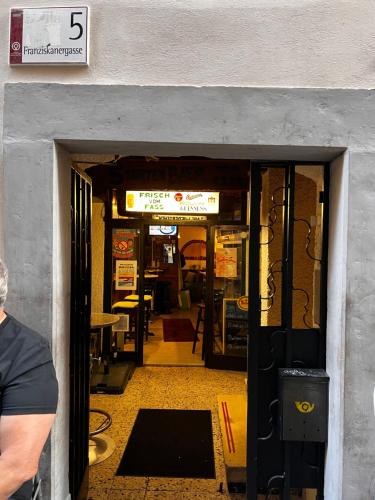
170, 293
168, 280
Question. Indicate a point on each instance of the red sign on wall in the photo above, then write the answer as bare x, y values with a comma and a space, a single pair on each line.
123, 242
16, 40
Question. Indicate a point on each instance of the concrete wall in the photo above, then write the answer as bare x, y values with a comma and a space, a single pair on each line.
220, 122
359, 420
337, 283
61, 321
288, 43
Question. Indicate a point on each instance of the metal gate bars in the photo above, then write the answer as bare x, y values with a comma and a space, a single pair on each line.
287, 316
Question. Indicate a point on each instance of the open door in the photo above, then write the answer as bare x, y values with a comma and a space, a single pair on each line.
227, 297
124, 296
287, 317
80, 334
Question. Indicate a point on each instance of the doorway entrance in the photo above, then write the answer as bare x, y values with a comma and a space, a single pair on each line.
278, 244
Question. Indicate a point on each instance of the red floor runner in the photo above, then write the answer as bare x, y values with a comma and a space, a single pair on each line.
178, 330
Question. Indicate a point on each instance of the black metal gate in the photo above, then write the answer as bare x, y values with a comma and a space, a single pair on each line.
80, 334
287, 316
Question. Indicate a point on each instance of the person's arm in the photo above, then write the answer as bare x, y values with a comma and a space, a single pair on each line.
22, 438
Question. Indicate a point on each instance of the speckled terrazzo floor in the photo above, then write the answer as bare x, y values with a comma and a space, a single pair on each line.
163, 387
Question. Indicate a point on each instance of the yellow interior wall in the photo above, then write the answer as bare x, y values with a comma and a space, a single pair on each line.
188, 233
306, 206
97, 249
305, 270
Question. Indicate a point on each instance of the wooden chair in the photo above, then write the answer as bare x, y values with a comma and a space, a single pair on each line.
218, 299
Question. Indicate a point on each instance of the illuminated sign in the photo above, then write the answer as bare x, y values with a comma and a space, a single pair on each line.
172, 202
163, 230
243, 303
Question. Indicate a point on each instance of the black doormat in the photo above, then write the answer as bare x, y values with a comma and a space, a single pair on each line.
170, 443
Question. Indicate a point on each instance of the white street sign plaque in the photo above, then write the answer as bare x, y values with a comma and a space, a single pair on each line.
48, 35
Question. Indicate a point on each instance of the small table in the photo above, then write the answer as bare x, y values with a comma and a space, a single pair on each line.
102, 320
101, 447
98, 321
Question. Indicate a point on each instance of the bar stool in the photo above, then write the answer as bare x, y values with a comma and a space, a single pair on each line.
100, 447
148, 302
129, 308
200, 319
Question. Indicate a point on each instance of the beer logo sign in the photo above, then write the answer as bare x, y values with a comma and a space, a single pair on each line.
243, 303
304, 406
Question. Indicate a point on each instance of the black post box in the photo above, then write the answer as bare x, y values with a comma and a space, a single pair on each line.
303, 404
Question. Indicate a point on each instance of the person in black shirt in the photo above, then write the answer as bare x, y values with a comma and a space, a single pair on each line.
28, 401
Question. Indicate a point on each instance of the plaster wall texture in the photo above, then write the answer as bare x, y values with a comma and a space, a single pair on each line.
240, 43
288, 43
58, 466
229, 121
337, 262
359, 421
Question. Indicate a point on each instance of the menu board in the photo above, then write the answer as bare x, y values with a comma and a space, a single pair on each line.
235, 328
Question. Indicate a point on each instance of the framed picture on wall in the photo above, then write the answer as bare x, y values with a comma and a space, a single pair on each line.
126, 275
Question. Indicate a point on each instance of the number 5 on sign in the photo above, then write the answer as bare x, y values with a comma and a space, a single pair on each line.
51, 35
72, 24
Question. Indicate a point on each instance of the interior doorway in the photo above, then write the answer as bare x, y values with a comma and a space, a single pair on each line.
177, 253
169, 272
172, 272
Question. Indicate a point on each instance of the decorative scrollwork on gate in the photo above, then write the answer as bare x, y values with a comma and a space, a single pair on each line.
273, 218
308, 239
305, 306
274, 490
277, 334
272, 215
271, 422
271, 285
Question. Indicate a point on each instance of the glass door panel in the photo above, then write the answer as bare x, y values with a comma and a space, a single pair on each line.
307, 246
125, 289
287, 301
230, 291
271, 245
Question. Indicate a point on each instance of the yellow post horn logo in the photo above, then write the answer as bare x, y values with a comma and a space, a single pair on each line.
304, 406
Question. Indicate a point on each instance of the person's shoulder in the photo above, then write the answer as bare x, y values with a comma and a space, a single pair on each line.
25, 334
25, 349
